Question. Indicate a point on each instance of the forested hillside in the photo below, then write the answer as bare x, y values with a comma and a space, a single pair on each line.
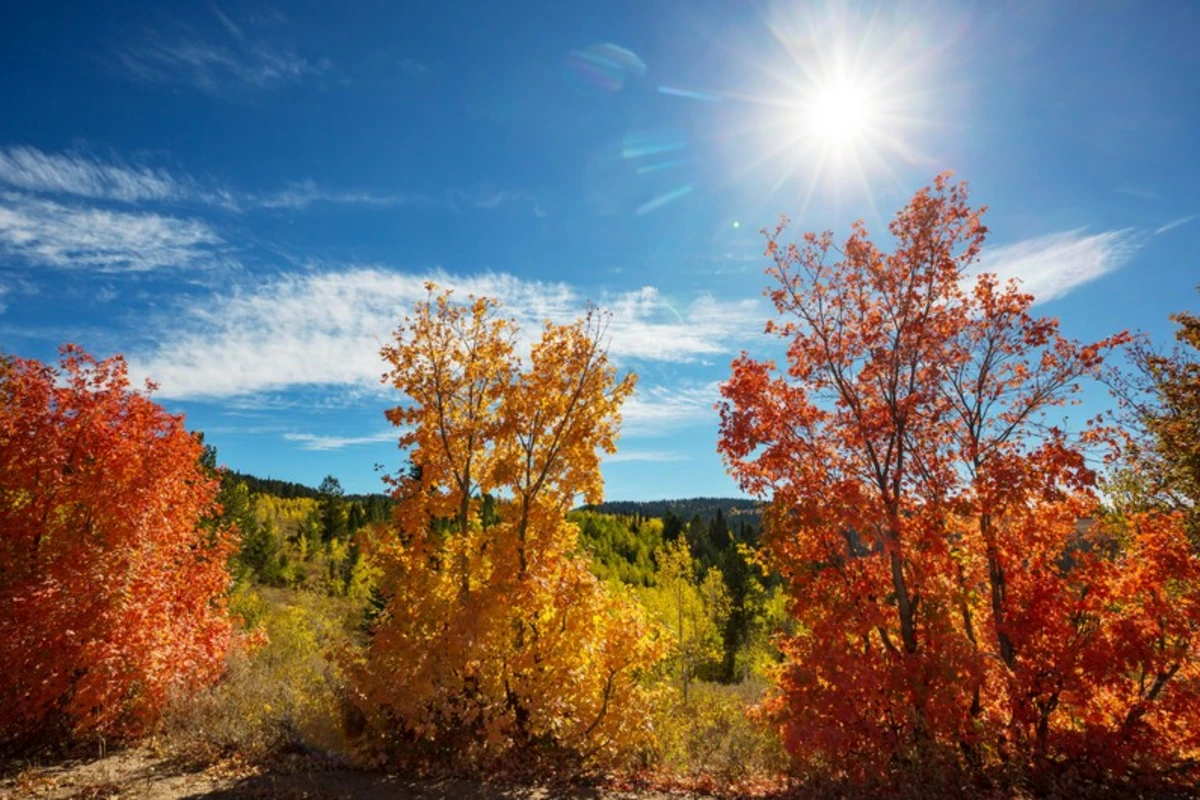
704, 507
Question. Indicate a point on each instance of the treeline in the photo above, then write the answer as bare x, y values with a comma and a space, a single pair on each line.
704, 507
302, 539
291, 489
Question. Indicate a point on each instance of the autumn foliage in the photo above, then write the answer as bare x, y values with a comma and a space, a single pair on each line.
1159, 401
497, 641
111, 592
976, 596
962, 599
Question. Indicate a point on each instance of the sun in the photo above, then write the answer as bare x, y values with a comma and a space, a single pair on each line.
838, 103
839, 116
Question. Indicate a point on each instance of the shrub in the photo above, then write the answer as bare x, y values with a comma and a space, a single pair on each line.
111, 589
717, 733
285, 692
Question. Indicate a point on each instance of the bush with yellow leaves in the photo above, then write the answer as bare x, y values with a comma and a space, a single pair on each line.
497, 643
716, 733
287, 691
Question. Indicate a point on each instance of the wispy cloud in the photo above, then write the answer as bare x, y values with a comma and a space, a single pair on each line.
228, 24
302, 194
49, 234
412, 65
1051, 266
660, 409
33, 170
1175, 223
655, 456
81, 175
1140, 194
488, 196
312, 441
326, 329
219, 69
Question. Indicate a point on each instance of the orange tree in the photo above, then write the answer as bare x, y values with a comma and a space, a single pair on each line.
957, 600
496, 636
110, 588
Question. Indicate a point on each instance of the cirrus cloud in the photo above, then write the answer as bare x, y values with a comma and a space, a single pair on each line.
1049, 267
326, 329
49, 234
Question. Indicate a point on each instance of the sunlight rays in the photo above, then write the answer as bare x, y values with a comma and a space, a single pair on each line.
844, 104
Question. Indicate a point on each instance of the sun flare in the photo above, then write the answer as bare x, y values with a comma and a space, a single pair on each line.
839, 115
840, 103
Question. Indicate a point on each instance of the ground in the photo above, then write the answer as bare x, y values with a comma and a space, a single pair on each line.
140, 773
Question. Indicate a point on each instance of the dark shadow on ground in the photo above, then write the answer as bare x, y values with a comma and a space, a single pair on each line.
377, 786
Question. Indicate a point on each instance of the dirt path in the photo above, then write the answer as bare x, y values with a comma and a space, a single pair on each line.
139, 774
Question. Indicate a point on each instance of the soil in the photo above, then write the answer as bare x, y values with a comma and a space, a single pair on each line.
140, 773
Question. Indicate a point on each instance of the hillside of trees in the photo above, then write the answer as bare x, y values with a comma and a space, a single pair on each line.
704, 507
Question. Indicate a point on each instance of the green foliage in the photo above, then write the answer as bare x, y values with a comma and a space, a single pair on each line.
621, 548
694, 611
310, 532
263, 554
335, 520
274, 487
743, 509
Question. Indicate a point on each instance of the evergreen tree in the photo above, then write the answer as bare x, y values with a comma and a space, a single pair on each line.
333, 511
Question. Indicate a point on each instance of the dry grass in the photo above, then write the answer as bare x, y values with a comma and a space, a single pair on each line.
285, 694
715, 735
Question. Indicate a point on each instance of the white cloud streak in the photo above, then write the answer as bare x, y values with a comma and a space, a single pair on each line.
653, 456
32, 170
661, 410
220, 70
49, 234
302, 194
1175, 223
312, 441
326, 329
1049, 267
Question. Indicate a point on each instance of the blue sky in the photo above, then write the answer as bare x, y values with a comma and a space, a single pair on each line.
244, 199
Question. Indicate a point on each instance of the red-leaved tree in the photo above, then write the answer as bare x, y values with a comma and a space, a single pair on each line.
959, 597
111, 589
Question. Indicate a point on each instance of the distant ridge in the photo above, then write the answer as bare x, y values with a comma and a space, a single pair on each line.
704, 507
289, 489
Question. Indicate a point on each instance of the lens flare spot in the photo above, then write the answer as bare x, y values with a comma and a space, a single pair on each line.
662, 200
640, 144
601, 68
690, 94
674, 311
674, 162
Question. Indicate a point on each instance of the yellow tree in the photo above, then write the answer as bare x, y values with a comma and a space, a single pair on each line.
496, 635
